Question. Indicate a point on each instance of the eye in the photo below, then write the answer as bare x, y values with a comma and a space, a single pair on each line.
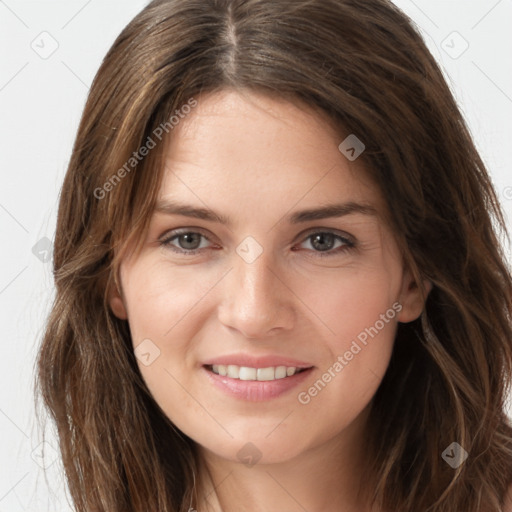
321, 243
327, 243
185, 242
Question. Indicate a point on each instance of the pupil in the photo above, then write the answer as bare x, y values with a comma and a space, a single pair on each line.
323, 241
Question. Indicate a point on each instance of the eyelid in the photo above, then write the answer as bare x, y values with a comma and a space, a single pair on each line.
313, 231
172, 233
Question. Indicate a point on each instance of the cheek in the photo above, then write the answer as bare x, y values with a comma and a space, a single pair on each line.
167, 307
351, 300
159, 299
360, 318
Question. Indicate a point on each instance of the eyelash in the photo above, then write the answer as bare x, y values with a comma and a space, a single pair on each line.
347, 243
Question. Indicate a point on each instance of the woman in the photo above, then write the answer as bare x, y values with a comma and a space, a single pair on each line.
278, 281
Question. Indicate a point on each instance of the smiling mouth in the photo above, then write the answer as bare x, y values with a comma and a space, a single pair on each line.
255, 374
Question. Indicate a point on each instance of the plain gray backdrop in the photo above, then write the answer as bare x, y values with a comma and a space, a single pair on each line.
50, 51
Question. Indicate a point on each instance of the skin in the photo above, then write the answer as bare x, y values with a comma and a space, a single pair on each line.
258, 160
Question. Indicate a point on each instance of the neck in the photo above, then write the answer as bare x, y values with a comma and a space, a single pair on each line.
325, 478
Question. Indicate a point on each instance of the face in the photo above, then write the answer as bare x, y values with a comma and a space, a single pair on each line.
267, 258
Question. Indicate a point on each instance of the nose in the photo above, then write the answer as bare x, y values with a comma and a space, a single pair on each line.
255, 299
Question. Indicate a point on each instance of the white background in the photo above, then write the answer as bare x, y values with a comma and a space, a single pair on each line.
41, 101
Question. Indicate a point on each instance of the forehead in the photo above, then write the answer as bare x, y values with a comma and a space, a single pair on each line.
242, 151
241, 124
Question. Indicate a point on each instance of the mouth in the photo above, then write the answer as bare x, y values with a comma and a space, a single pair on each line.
247, 373
252, 384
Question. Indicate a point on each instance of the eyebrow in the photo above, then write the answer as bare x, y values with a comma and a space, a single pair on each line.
323, 212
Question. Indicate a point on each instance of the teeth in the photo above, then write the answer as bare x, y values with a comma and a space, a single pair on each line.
282, 372
260, 374
267, 374
233, 371
246, 373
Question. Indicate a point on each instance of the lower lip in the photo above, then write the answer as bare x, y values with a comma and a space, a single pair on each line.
254, 390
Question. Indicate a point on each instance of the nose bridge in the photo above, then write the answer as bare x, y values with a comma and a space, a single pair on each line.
254, 281
251, 272
255, 301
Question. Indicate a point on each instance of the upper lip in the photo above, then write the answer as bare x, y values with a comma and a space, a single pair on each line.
256, 361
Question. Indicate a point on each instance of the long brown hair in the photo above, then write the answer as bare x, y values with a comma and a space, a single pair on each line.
366, 66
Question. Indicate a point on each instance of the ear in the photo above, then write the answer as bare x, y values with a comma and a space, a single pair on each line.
411, 297
116, 303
